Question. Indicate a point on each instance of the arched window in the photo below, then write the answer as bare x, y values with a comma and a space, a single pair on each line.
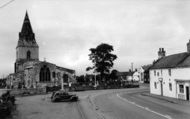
53, 74
28, 54
65, 78
45, 75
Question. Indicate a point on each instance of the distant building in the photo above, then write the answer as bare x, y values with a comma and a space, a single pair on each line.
170, 75
136, 76
29, 71
144, 73
125, 76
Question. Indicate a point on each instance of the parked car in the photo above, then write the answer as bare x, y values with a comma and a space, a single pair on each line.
62, 96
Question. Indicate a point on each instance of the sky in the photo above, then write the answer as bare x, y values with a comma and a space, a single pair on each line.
65, 30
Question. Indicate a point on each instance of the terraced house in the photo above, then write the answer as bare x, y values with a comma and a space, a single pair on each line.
170, 75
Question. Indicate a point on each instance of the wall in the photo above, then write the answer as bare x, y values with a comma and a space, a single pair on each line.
176, 73
22, 51
162, 76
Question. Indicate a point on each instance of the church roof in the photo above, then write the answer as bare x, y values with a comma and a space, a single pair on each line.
173, 61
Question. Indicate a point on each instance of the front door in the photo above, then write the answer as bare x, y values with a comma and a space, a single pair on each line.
161, 88
187, 93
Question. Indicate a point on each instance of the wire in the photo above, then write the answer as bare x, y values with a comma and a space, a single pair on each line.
4, 5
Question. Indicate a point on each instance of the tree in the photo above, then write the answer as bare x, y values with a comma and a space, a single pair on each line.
102, 59
113, 74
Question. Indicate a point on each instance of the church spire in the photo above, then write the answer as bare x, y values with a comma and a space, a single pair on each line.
26, 31
27, 36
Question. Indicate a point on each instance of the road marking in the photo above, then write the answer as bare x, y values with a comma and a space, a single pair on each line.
146, 108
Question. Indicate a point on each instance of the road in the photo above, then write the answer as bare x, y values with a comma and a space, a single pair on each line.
101, 104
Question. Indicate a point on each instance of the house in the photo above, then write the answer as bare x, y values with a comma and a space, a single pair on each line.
144, 73
170, 75
136, 76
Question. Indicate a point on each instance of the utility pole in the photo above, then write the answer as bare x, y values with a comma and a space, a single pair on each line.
132, 70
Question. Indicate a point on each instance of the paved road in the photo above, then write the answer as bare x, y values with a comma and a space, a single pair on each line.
160, 107
131, 104
102, 104
118, 108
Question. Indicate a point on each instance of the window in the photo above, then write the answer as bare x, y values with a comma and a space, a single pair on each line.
45, 74
169, 72
155, 85
181, 88
158, 74
170, 86
53, 73
28, 54
65, 78
154, 73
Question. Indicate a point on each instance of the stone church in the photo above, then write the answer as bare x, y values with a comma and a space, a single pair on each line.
29, 72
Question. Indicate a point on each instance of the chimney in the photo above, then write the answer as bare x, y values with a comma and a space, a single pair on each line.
161, 53
188, 47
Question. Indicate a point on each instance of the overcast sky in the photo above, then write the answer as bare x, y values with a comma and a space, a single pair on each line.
66, 30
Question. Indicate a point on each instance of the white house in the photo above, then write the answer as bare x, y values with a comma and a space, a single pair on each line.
170, 75
136, 76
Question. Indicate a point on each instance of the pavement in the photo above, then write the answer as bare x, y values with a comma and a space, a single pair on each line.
169, 99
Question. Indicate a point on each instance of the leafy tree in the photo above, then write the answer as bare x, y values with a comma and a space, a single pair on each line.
102, 59
113, 74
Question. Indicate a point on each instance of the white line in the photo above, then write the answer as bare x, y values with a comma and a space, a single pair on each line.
146, 108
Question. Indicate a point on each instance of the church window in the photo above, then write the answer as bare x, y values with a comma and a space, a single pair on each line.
45, 74
28, 55
53, 74
65, 78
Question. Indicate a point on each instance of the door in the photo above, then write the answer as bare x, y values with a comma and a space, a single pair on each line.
161, 87
187, 93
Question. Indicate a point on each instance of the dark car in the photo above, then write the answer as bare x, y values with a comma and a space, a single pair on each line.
62, 96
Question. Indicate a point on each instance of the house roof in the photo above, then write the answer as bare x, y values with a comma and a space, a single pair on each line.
173, 61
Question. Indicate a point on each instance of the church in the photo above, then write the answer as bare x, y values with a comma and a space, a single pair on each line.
29, 72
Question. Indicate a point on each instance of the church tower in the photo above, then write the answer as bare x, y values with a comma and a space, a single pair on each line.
27, 48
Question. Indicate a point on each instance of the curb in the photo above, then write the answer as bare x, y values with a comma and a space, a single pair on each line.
171, 101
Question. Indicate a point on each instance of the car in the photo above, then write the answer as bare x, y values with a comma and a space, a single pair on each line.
62, 96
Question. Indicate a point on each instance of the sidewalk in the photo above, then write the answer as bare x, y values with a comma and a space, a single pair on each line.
168, 99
